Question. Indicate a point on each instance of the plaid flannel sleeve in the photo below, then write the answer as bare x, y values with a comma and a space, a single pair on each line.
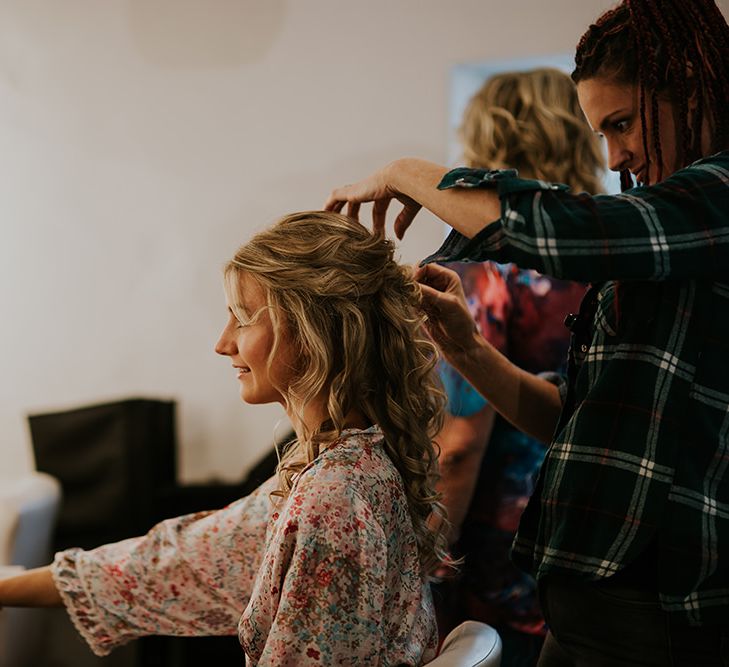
678, 228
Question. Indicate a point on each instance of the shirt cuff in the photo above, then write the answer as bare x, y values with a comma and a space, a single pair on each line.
78, 603
506, 181
487, 243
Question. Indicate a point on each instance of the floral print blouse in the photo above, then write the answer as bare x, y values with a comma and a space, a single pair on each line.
330, 575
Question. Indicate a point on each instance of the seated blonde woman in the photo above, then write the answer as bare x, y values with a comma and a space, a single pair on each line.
328, 562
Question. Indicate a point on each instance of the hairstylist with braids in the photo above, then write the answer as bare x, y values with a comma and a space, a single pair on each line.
530, 120
628, 528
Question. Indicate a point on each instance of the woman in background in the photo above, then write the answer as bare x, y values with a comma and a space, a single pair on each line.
531, 121
329, 561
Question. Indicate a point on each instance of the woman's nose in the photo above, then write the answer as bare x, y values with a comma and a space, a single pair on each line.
618, 155
225, 344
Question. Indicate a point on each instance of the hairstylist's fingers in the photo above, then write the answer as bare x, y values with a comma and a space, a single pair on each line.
405, 217
438, 276
448, 316
353, 210
337, 199
379, 213
333, 204
427, 275
419, 272
438, 302
430, 298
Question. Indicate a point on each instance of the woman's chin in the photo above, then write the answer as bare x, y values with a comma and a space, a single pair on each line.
257, 398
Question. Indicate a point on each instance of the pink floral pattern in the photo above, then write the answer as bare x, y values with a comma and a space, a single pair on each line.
329, 576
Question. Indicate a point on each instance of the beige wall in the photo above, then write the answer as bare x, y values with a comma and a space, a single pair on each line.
141, 142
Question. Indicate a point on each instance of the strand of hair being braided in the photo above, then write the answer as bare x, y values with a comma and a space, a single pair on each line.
675, 48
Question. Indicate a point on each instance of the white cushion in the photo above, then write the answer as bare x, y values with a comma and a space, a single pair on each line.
28, 508
471, 644
9, 516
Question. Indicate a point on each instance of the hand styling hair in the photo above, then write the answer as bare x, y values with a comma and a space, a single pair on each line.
353, 315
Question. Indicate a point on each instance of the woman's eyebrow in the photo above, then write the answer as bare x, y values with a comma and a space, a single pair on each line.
239, 307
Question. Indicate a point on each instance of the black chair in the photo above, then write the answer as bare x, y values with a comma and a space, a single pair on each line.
115, 463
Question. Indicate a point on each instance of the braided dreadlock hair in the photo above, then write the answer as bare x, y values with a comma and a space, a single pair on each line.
673, 48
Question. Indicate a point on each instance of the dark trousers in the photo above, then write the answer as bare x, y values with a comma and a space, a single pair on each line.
602, 625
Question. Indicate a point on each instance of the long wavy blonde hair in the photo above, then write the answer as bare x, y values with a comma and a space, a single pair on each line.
532, 121
352, 313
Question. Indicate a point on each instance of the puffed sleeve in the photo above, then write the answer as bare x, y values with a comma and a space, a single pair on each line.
188, 576
321, 592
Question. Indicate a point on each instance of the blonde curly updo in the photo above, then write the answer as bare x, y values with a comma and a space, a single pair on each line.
352, 313
532, 121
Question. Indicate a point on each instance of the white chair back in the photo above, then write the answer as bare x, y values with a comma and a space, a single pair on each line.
471, 644
28, 509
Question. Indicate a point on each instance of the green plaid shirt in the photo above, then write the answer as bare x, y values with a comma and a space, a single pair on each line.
641, 453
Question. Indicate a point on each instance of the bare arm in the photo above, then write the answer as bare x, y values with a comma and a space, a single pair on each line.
34, 588
413, 182
463, 442
529, 402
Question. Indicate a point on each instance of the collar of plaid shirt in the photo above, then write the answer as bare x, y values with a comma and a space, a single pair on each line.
641, 455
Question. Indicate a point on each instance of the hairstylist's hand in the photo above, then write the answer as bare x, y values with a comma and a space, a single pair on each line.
380, 189
449, 321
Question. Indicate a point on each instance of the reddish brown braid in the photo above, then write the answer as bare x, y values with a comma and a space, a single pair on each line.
649, 43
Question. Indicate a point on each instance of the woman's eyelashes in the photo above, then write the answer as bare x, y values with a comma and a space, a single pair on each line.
243, 319
237, 320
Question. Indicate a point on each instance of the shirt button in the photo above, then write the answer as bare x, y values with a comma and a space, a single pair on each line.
583, 347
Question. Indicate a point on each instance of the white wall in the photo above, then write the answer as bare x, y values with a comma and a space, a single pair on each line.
142, 141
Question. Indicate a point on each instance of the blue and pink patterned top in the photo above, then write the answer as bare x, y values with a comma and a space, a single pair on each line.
330, 575
522, 314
